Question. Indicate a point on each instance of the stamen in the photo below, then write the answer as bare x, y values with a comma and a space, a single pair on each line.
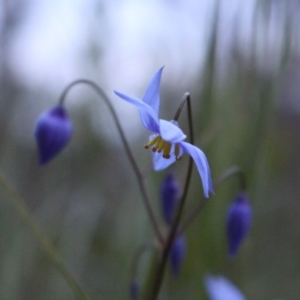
177, 152
157, 144
160, 145
167, 149
151, 142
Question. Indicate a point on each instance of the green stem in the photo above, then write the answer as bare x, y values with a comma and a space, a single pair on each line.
158, 279
138, 173
45, 243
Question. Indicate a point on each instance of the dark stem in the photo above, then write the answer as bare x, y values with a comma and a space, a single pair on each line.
234, 170
158, 279
129, 154
181, 105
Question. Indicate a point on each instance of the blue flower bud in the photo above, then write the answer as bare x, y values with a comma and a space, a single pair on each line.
169, 197
134, 289
239, 219
177, 254
53, 131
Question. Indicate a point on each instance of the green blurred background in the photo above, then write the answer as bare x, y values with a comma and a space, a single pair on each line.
240, 62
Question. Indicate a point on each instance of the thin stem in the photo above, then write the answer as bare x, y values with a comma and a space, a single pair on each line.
45, 243
181, 105
133, 163
234, 170
173, 230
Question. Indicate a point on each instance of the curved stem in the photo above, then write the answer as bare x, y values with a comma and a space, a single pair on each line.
174, 227
181, 105
42, 238
234, 170
129, 154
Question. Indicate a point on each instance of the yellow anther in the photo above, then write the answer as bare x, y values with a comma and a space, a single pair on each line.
152, 142
177, 151
167, 149
160, 145
156, 147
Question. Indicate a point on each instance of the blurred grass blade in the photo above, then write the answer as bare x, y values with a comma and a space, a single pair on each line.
45, 243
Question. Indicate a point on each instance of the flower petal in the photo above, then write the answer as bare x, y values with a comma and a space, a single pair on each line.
220, 288
161, 163
170, 132
202, 166
149, 117
151, 96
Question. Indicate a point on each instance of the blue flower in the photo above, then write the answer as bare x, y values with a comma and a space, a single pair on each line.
167, 142
169, 197
177, 254
53, 131
239, 219
220, 288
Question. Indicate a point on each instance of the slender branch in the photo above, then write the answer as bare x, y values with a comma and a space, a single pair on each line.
181, 105
174, 227
234, 170
48, 248
129, 154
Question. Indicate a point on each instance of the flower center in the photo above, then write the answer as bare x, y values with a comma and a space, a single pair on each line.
159, 145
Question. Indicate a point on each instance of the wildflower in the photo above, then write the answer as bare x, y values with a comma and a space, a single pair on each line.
177, 254
167, 142
169, 197
53, 131
239, 218
220, 288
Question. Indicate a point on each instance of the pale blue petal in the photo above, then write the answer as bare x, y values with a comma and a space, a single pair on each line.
148, 116
170, 132
152, 96
160, 163
220, 288
202, 166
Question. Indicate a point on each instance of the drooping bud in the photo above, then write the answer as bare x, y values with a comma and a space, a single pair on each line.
134, 289
169, 197
239, 219
53, 131
220, 288
177, 254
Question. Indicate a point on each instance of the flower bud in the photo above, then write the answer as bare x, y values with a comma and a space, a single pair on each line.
239, 219
169, 197
177, 254
53, 131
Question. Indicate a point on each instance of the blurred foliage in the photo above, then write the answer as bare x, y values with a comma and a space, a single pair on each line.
88, 202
